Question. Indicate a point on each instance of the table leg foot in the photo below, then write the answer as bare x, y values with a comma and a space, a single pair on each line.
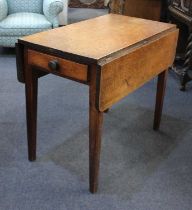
31, 89
161, 85
96, 120
106, 111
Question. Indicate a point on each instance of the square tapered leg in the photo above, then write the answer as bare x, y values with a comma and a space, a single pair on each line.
31, 89
161, 86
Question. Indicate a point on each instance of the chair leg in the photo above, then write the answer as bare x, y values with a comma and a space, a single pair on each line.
161, 85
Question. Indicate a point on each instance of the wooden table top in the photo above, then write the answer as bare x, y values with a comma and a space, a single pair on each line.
99, 37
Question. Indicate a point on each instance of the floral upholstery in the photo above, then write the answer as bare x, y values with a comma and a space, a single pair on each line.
24, 17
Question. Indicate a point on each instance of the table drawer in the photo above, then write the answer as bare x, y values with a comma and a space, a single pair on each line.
60, 66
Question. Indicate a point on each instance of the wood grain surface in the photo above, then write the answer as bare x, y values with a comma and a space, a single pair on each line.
67, 68
99, 37
127, 73
147, 9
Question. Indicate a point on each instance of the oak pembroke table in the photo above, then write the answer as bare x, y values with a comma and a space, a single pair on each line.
112, 54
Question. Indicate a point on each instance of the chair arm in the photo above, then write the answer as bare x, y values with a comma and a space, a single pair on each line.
51, 9
3, 9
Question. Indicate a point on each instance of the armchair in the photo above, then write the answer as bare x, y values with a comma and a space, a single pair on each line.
24, 17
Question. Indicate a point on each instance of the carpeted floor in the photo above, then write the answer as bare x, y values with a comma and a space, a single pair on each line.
140, 169
76, 15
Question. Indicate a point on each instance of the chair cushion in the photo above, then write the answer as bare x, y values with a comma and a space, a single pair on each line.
21, 24
16, 6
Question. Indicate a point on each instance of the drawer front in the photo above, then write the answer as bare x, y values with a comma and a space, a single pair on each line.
59, 66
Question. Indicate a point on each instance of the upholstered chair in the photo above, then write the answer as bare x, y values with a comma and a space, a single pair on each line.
24, 17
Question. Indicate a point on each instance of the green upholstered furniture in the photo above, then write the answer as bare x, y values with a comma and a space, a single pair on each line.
24, 17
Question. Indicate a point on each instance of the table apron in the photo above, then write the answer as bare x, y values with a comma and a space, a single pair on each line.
66, 68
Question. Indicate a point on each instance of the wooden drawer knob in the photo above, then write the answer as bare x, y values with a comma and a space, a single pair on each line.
54, 65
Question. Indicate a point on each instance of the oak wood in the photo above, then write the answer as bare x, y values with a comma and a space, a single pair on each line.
147, 9
111, 33
127, 73
161, 86
95, 128
31, 92
67, 68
